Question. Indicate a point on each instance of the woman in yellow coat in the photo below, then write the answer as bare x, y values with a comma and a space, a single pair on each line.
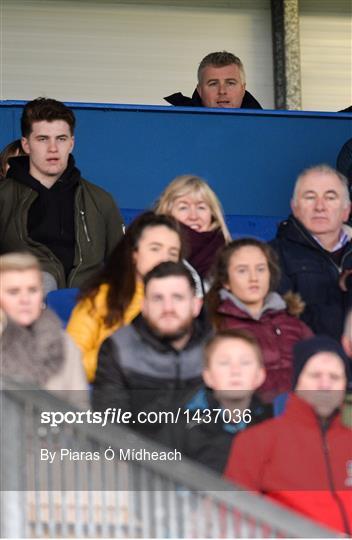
114, 297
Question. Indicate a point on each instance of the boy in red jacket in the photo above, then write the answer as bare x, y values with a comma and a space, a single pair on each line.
303, 459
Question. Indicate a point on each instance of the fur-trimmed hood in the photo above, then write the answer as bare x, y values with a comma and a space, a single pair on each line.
290, 302
294, 303
276, 331
34, 354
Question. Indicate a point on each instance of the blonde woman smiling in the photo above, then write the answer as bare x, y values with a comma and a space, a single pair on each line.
191, 201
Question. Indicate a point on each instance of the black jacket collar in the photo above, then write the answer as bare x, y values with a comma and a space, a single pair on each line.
179, 100
293, 230
19, 171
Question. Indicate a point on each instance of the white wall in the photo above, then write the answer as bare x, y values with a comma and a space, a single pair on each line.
138, 52
326, 54
128, 52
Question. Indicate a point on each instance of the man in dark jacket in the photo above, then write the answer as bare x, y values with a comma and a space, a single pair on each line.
221, 84
147, 365
215, 413
302, 459
47, 208
316, 251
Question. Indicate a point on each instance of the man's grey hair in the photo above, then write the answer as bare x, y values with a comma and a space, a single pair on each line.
221, 59
324, 169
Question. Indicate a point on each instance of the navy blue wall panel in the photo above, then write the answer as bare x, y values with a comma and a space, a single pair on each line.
250, 158
260, 227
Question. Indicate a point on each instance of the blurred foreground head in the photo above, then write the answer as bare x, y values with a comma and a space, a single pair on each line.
21, 287
321, 373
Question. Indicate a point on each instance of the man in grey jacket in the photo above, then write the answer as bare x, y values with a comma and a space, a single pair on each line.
148, 365
48, 209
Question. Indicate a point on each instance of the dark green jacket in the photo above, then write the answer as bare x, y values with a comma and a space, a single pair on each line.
98, 227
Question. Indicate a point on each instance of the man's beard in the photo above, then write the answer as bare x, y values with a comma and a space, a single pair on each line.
169, 337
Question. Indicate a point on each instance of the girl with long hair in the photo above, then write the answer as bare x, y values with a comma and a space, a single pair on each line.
114, 297
242, 297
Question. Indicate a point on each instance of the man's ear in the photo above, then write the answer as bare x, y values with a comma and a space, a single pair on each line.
293, 206
72, 142
197, 306
143, 306
25, 145
346, 213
